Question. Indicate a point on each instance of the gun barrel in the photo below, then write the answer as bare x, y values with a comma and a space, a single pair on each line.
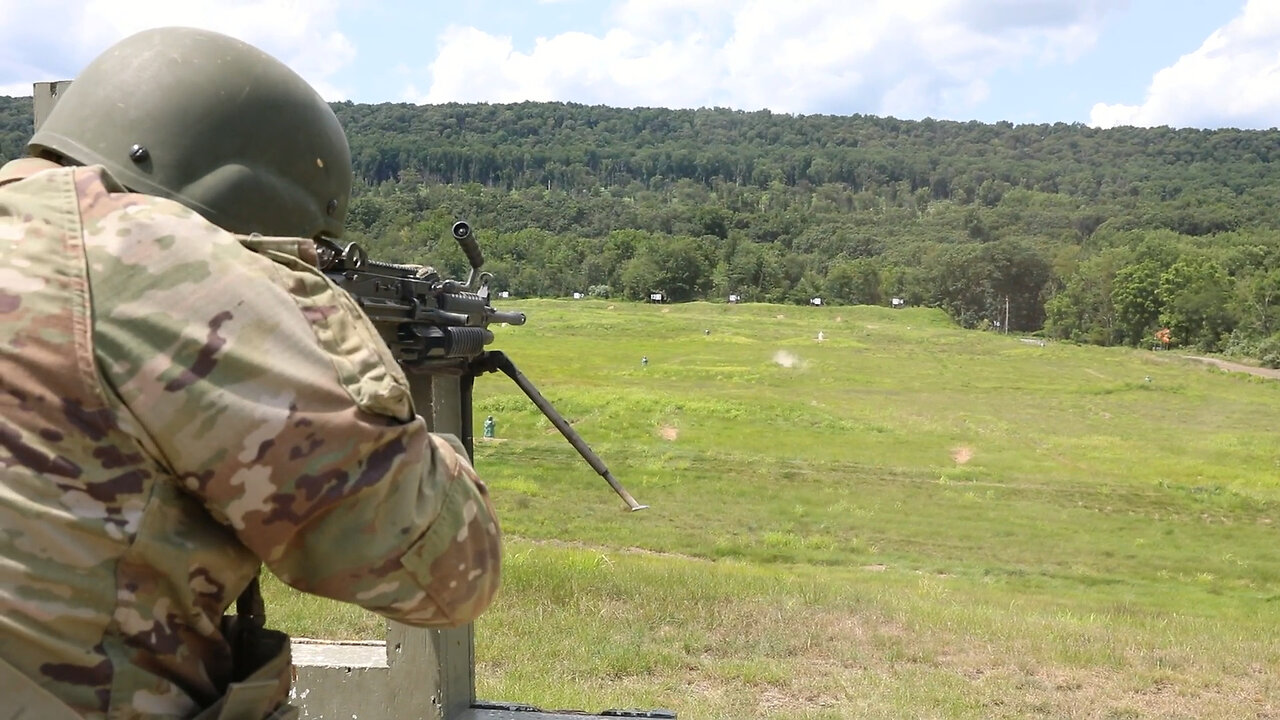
510, 317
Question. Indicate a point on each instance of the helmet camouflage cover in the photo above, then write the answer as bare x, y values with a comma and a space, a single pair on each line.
213, 123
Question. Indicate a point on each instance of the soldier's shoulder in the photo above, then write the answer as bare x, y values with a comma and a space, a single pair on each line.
104, 200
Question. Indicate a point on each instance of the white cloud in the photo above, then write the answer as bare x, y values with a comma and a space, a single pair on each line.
619, 68
927, 57
66, 34
1232, 79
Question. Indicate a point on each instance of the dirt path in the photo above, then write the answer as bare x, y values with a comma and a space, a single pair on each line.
1237, 367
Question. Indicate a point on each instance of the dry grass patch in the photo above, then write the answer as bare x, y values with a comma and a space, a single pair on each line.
962, 454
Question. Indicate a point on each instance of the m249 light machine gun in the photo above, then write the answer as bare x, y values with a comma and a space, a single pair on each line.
437, 329
436, 326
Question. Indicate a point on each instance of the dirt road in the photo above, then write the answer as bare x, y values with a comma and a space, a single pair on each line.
1237, 367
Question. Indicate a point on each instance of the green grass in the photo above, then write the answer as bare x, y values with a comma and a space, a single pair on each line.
905, 520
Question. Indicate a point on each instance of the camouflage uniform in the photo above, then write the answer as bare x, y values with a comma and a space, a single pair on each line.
177, 404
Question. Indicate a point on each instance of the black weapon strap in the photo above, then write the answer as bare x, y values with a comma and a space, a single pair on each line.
249, 605
467, 413
249, 620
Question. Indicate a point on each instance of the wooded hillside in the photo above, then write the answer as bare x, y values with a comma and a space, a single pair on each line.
1103, 236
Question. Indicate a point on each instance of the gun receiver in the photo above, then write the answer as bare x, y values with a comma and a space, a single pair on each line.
435, 325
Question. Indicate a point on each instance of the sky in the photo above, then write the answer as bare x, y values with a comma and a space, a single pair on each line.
1105, 63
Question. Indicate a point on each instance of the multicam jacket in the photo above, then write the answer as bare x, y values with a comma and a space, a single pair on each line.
178, 404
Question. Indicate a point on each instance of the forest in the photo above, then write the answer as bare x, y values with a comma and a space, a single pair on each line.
1152, 237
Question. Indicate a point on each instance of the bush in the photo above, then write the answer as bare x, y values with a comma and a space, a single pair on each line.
1245, 345
1269, 352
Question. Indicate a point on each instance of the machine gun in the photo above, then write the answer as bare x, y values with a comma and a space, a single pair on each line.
438, 326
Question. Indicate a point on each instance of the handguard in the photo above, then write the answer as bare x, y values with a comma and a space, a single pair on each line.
429, 323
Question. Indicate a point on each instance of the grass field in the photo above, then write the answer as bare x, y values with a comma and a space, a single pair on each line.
904, 520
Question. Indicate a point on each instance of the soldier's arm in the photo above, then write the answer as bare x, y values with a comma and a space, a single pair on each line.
271, 398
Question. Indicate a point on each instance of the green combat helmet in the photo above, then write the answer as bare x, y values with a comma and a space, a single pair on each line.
213, 123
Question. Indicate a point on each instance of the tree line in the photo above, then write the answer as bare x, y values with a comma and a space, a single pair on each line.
1138, 236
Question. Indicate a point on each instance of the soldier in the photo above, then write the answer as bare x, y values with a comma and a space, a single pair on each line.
184, 396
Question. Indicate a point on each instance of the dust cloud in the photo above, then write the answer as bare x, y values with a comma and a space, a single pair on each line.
788, 359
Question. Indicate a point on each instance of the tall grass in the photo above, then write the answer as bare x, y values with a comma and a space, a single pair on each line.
903, 520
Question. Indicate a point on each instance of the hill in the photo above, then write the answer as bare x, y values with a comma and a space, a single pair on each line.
1101, 236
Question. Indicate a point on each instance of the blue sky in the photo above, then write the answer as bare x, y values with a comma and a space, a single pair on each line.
1185, 63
